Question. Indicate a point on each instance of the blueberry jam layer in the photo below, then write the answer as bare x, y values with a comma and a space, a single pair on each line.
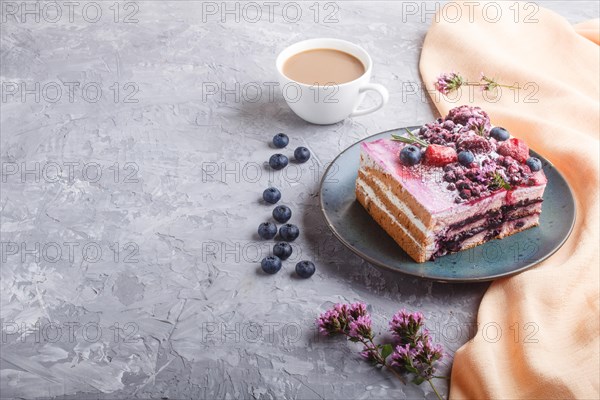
494, 214
494, 220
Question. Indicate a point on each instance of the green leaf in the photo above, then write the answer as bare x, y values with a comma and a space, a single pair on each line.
412, 369
499, 182
386, 350
418, 380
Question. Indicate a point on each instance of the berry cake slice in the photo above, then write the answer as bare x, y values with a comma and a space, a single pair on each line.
453, 185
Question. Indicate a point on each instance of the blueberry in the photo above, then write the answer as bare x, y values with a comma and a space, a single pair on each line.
500, 134
271, 195
410, 155
267, 230
282, 250
534, 164
278, 161
282, 214
280, 140
271, 264
466, 157
289, 232
301, 154
305, 269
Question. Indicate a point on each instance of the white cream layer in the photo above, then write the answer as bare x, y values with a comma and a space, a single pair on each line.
402, 206
364, 186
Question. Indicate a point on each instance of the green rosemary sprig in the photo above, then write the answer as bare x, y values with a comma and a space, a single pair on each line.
480, 130
499, 182
410, 139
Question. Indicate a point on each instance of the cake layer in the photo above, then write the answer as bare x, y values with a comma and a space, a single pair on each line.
483, 233
421, 243
386, 181
409, 214
426, 194
366, 197
501, 231
399, 210
504, 213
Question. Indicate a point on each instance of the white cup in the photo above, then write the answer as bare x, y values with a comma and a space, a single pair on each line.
328, 104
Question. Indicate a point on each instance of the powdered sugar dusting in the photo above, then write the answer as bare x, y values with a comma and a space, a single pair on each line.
424, 182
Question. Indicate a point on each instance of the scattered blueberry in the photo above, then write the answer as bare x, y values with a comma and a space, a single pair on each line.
271, 195
278, 161
280, 140
282, 250
301, 154
534, 164
289, 232
271, 264
305, 269
267, 230
282, 214
500, 134
466, 157
410, 155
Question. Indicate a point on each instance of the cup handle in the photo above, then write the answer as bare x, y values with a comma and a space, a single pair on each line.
383, 92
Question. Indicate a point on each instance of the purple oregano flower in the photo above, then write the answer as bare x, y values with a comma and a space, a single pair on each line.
361, 328
417, 358
412, 354
405, 325
339, 318
449, 82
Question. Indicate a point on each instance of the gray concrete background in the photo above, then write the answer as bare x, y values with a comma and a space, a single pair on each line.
147, 258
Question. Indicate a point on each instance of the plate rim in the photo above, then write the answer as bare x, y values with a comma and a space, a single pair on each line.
442, 280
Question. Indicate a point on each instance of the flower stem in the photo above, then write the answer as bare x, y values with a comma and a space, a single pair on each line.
372, 347
495, 84
511, 86
383, 363
434, 389
379, 357
398, 375
373, 350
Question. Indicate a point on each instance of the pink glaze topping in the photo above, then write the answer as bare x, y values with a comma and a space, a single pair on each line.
426, 183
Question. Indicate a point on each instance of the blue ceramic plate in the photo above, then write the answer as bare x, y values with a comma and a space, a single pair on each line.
498, 258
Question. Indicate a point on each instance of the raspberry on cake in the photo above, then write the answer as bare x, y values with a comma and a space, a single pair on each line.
432, 204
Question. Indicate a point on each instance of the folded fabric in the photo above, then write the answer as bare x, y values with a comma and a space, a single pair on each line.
546, 319
590, 30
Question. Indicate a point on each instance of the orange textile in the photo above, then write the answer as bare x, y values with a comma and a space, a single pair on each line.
549, 315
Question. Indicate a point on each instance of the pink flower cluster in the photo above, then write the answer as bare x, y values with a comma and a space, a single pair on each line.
349, 319
448, 82
405, 325
412, 353
416, 354
361, 328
